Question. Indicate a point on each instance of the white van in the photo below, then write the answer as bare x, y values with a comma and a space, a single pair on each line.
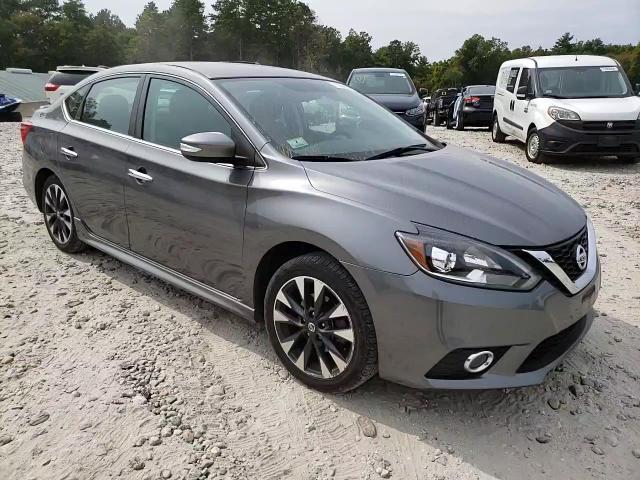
567, 105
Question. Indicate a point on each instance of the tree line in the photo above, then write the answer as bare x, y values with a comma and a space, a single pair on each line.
41, 34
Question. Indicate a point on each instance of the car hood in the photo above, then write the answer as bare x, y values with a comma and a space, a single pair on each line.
460, 191
626, 108
397, 103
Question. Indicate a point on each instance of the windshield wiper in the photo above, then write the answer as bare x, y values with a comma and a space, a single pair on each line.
398, 152
321, 158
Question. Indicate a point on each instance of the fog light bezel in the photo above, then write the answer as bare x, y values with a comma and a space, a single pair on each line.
483, 366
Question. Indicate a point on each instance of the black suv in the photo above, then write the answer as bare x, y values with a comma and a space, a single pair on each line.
441, 100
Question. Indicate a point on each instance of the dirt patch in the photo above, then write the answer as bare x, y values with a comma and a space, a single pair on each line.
107, 372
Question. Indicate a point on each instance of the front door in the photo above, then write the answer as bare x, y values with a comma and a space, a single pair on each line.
188, 215
92, 151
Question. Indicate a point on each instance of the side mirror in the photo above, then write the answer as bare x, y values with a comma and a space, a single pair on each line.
523, 93
209, 146
638, 89
424, 92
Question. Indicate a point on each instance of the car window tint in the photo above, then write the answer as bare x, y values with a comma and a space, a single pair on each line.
174, 111
524, 78
513, 75
68, 78
109, 103
74, 102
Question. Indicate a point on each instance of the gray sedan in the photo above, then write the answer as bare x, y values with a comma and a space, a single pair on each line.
288, 198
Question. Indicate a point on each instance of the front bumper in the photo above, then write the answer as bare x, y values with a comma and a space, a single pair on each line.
558, 139
415, 120
421, 322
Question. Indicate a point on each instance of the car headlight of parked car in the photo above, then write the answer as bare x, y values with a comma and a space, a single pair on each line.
559, 113
419, 110
462, 260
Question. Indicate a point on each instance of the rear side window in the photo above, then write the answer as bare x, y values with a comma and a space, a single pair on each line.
513, 76
68, 78
109, 104
74, 102
174, 111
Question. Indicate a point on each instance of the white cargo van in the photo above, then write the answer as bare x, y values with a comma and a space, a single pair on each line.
567, 105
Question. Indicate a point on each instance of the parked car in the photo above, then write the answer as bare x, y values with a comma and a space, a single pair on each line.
473, 107
441, 100
567, 105
392, 88
8, 106
65, 78
363, 245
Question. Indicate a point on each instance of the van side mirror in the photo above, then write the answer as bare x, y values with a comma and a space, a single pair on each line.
523, 93
215, 147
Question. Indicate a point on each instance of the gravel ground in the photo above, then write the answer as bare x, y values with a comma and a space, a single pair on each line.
107, 372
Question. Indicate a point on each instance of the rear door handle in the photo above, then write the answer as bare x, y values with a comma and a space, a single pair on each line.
141, 177
69, 152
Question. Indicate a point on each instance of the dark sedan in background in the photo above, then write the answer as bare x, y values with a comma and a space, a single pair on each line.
392, 88
472, 108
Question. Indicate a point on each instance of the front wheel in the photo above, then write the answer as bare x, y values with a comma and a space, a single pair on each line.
534, 147
496, 134
319, 324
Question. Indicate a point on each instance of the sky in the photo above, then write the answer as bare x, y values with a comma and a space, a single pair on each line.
439, 28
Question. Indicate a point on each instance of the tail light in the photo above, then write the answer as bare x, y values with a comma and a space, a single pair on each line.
472, 100
25, 128
51, 87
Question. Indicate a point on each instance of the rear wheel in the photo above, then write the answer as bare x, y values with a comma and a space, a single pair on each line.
58, 216
534, 147
319, 324
496, 134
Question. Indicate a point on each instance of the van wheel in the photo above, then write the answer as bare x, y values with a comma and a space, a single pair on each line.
496, 134
319, 324
534, 147
58, 217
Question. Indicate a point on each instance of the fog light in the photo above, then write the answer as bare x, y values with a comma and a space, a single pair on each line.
478, 362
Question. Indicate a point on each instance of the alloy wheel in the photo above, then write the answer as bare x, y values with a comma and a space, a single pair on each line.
57, 213
495, 129
313, 327
533, 145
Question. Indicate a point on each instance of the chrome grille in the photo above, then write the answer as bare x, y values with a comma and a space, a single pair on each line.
564, 254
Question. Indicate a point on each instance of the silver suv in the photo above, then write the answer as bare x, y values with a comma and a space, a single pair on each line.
362, 244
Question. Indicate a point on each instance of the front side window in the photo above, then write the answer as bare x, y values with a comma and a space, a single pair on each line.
525, 81
584, 82
109, 103
174, 111
381, 83
74, 102
306, 118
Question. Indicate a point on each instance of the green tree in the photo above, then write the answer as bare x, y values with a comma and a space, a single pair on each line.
107, 41
187, 28
564, 45
399, 55
356, 51
150, 41
479, 59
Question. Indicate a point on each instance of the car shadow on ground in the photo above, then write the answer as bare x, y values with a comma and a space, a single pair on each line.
500, 432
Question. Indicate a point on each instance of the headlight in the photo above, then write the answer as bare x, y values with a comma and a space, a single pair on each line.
416, 111
558, 113
459, 259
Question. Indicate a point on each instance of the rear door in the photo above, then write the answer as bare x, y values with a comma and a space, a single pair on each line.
189, 215
508, 123
92, 154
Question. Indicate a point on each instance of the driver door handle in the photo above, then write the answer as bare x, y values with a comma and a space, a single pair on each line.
141, 177
69, 152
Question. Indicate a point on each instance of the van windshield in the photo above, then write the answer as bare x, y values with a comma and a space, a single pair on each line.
381, 82
584, 82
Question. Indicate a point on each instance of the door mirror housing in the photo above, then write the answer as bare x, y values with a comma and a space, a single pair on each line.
215, 147
523, 93
424, 92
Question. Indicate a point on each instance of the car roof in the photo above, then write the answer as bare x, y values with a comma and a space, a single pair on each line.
378, 69
552, 61
214, 70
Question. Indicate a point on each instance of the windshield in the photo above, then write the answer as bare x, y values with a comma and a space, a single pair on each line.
583, 82
381, 83
321, 120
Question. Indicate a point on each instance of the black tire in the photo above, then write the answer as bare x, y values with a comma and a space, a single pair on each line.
363, 363
69, 241
496, 134
460, 122
437, 119
534, 155
449, 123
